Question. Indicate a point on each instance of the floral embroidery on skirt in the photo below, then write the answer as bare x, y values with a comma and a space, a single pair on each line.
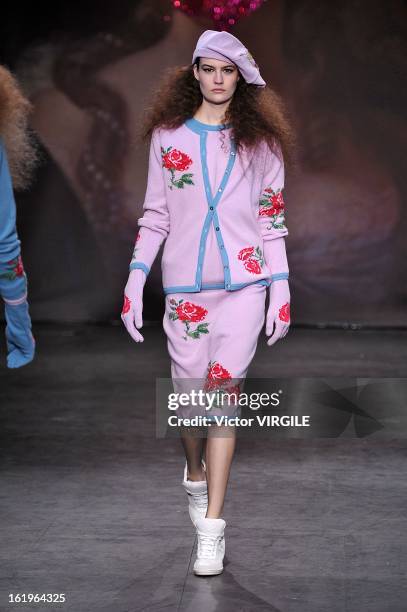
188, 313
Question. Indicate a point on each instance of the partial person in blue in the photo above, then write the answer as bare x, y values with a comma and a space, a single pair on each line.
17, 160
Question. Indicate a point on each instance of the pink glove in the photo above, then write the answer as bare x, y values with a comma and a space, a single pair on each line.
132, 313
278, 313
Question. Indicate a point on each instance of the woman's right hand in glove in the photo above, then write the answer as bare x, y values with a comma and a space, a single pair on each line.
132, 312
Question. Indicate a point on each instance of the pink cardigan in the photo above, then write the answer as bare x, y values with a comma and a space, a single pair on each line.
215, 209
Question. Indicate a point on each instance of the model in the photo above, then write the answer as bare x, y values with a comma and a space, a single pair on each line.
214, 194
17, 159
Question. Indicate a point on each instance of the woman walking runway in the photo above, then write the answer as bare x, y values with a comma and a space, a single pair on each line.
219, 137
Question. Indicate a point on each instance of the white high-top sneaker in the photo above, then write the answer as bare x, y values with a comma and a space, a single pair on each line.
197, 491
211, 546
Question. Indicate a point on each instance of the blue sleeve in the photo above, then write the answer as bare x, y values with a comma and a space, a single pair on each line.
13, 280
9, 242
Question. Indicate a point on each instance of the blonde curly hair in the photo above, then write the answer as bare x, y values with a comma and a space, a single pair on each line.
18, 140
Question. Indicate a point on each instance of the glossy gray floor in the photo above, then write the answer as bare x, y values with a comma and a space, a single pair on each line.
92, 506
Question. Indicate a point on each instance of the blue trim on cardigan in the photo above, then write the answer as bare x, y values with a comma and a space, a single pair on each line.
139, 265
198, 127
211, 215
196, 288
279, 276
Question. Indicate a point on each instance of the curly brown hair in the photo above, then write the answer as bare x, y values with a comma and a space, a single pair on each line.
20, 145
256, 113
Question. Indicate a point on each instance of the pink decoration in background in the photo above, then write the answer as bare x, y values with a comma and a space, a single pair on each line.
224, 13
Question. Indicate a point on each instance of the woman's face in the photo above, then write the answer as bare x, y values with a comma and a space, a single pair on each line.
216, 75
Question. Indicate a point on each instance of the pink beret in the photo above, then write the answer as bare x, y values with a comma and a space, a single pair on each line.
224, 46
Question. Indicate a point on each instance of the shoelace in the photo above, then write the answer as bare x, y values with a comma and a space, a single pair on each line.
207, 545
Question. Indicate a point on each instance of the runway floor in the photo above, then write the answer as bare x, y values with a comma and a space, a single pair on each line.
92, 504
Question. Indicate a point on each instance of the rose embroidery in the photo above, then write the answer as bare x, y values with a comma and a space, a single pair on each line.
126, 305
188, 313
245, 253
252, 258
284, 312
252, 266
216, 376
177, 161
17, 269
272, 205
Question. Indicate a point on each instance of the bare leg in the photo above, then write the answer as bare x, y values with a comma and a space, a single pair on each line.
193, 448
219, 456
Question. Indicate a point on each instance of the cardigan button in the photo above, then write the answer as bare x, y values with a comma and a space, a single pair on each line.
211, 207
220, 189
217, 229
226, 267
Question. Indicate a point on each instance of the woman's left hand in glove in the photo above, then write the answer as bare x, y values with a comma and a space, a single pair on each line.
278, 313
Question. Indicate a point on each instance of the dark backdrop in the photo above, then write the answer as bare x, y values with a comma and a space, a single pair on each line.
89, 73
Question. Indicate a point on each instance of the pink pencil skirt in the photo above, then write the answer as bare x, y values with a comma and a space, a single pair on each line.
212, 335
